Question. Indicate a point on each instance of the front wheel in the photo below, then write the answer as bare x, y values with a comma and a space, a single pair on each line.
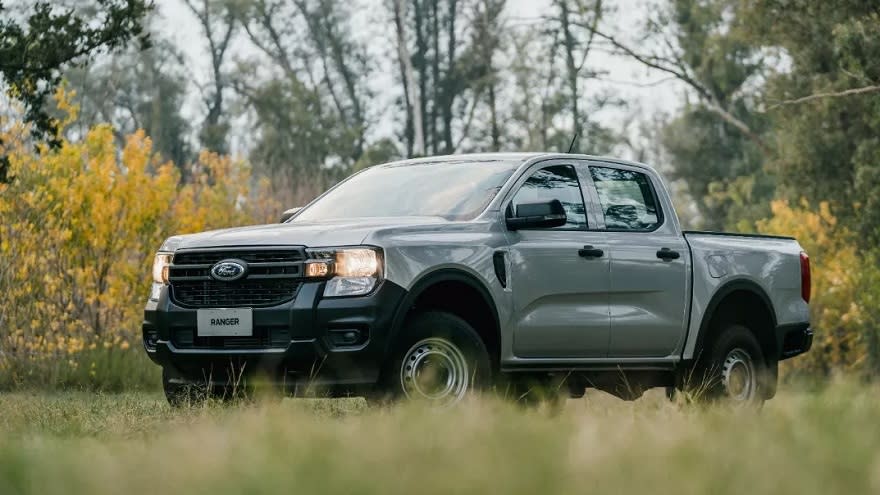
181, 394
439, 360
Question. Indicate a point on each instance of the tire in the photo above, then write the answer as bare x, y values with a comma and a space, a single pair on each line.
734, 370
182, 394
439, 359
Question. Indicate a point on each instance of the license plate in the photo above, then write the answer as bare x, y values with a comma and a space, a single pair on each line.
233, 322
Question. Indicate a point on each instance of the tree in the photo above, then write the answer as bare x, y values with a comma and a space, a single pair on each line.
312, 109
136, 89
447, 55
717, 144
414, 132
537, 101
683, 23
34, 50
217, 22
568, 36
824, 110
482, 67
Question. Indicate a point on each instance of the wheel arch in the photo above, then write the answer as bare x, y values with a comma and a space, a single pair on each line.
483, 316
723, 307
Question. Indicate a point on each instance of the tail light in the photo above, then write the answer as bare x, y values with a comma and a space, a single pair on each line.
805, 277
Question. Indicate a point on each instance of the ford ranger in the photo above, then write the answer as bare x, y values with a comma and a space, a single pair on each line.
432, 278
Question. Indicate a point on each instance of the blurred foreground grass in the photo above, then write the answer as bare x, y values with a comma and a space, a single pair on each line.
817, 442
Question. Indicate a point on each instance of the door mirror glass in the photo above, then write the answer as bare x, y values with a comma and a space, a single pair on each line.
537, 215
289, 213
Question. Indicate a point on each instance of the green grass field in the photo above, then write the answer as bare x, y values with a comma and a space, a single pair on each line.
802, 442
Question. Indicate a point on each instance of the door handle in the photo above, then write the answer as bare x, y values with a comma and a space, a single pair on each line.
667, 254
590, 252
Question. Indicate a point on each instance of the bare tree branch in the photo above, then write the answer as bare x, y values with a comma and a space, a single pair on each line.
677, 69
830, 94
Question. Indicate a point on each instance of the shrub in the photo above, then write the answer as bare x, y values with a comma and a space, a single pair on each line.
845, 290
81, 225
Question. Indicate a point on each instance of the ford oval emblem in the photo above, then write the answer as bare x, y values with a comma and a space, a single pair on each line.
229, 270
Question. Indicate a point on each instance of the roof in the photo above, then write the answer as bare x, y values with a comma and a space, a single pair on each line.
520, 157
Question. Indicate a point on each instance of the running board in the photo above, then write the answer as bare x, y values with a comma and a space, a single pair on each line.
587, 367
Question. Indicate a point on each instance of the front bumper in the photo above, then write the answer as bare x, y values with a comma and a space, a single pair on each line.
793, 339
300, 340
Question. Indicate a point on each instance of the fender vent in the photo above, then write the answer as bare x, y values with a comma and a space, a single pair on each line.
500, 267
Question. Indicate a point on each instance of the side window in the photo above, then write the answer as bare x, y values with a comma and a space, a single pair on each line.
627, 199
555, 182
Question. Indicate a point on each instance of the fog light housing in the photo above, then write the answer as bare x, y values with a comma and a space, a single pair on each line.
151, 338
347, 337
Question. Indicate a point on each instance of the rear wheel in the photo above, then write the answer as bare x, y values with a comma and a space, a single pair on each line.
439, 360
734, 369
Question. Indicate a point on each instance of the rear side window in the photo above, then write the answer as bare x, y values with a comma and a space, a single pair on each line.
555, 182
627, 199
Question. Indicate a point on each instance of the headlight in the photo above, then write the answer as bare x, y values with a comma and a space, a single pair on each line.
160, 267
351, 271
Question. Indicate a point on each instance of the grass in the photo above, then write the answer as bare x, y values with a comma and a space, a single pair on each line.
98, 370
825, 441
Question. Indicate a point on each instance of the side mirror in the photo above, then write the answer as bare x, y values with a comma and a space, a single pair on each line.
536, 216
289, 213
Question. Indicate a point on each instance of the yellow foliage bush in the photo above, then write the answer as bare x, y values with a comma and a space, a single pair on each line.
80, 227
845, 285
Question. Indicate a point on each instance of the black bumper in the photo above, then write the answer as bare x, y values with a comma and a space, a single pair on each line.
793, 339
301, 342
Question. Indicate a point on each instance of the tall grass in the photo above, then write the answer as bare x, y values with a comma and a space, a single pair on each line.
804, 443
101, 369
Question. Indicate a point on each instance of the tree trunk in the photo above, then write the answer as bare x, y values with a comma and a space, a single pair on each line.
435, 62
448, 93
411, 90
568, 43
421, 66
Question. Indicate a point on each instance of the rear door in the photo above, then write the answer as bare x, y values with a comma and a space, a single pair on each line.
559, 276
648, 296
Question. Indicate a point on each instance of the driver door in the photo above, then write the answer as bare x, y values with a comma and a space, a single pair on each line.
560, 276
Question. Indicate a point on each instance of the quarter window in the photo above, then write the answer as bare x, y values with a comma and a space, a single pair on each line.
555, 182
627, 199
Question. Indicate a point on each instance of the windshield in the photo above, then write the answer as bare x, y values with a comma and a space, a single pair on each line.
454, 190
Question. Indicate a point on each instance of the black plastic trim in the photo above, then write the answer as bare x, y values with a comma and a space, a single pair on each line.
801, 331
311, 355
724, 291
442, 275
738, 234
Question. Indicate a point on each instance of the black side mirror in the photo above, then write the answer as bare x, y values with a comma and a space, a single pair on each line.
536, 216
289, 213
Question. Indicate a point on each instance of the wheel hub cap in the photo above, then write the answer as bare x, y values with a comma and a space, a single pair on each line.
738, 376
434, 369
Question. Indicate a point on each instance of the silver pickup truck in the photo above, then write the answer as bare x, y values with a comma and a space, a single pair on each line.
431, 278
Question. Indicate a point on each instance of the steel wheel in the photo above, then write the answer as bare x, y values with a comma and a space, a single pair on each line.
435, 369
739, 376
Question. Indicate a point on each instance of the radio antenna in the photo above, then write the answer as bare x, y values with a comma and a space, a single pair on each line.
574, 139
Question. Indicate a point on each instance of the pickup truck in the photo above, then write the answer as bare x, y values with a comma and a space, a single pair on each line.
433, 278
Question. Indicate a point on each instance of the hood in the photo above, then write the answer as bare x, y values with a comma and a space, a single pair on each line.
346, 232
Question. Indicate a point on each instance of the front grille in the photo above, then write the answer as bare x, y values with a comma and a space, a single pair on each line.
241, 293
274, 276
263, 338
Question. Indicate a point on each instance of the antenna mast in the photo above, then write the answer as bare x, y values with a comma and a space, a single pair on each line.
574, 139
